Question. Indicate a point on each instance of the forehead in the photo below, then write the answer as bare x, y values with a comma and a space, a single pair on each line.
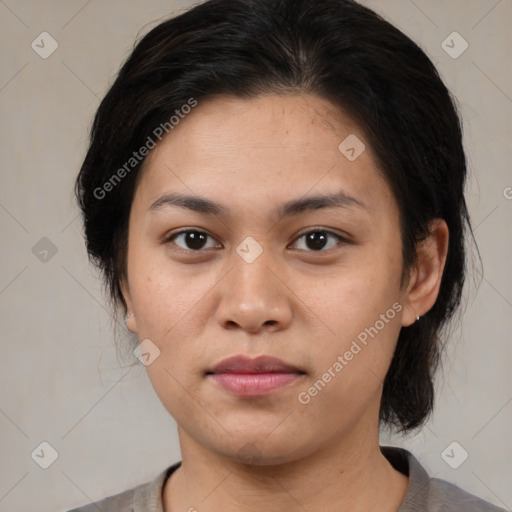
264, 148
302, 121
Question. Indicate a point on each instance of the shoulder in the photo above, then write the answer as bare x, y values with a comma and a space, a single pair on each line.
448, 497
146, 497
428, 494
122, 502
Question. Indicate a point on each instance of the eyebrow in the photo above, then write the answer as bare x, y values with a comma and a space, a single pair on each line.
341, 199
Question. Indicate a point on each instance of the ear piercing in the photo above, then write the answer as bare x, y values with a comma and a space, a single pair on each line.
417, 318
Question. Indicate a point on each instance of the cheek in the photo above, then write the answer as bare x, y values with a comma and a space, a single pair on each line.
176, 393
353, 299
172, 310
163, 292
361, 315
350, 375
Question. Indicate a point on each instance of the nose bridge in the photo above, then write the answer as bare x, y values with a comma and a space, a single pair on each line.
252, 264
253, 295
252, 275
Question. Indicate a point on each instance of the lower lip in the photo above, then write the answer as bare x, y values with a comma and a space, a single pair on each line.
254, 384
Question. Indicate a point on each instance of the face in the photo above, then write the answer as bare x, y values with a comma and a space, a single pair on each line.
266, 271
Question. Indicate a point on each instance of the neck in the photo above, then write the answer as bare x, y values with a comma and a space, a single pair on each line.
349, 475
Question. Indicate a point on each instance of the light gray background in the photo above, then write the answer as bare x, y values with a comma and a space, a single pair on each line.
60, 379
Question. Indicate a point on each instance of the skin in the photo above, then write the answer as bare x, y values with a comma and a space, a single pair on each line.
293, 302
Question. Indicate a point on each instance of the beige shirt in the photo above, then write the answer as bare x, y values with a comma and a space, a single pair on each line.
424, 494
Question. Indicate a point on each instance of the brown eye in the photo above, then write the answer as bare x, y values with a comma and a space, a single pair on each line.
193, 239
318, 239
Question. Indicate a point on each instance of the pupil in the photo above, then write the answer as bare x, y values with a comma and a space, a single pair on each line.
316, 242
195, 237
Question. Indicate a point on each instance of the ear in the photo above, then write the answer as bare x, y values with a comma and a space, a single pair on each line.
130, 320
425, 278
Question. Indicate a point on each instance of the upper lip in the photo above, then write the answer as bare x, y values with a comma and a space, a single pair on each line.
246, 364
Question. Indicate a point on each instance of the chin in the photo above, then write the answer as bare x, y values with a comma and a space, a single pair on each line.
255, 455
259, 449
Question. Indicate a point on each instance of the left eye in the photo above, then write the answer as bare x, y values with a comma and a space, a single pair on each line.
315, 240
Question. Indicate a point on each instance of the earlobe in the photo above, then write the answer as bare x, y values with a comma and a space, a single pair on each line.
425, 281
130, 322
129, 318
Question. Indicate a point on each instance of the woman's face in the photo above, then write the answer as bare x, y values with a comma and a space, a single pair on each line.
328, 304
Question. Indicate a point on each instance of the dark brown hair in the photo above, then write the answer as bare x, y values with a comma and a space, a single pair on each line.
339, 50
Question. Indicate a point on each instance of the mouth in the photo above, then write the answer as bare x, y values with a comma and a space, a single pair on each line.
244, 376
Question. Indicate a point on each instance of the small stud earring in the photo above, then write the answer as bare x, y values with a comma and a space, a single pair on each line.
417, 318
128, 315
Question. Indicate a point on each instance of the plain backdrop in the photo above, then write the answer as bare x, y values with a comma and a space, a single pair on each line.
60, 379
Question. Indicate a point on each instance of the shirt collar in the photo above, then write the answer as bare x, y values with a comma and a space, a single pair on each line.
148, 498
416, 497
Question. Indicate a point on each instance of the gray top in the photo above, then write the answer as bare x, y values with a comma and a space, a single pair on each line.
424, 494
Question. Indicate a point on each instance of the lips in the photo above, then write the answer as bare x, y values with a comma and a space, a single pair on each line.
247, 377
261, 364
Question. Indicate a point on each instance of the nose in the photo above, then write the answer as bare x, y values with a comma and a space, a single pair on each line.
253, 297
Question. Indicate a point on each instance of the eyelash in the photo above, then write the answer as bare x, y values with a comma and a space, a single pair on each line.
171, 237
